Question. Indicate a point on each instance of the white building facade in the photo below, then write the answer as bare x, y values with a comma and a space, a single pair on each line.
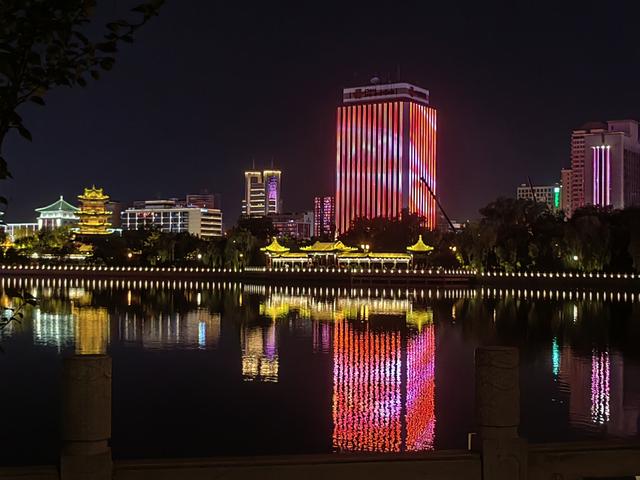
169, 217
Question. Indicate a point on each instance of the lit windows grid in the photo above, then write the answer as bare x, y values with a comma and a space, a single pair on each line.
373, 141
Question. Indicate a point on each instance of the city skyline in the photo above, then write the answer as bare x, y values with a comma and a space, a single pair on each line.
488, 95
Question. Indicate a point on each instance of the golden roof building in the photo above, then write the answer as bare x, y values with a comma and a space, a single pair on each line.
93, 213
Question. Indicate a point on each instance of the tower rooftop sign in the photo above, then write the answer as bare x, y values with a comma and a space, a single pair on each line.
389, 91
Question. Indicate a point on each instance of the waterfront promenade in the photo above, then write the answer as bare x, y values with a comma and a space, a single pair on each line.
339, 277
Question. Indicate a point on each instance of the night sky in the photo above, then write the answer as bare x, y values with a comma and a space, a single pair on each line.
208, 87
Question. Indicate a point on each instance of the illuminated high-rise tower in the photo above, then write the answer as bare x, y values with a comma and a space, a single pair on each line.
386, 142
262, 193
612, 165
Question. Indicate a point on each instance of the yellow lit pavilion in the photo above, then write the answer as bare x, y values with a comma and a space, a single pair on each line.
93, 213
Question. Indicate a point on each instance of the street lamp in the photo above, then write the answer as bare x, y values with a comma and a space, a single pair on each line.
575, 258
129, 255
199, 256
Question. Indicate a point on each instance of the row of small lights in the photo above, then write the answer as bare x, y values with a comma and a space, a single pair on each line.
321, 270
83, 268
365, 270
559, 275
231, 270
331, 291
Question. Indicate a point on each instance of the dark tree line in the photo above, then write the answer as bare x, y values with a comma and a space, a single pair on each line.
523, 235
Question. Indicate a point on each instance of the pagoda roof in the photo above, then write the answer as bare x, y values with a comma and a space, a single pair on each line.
420, 246
336, 246
60, 205
274, 247
93, 193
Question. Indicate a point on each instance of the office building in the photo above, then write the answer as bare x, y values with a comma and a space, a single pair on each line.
262, 193
578, 161
59, 214
170, 216
612, 165
566, 190
293, 225
324, 215
549, 194
386, 145
15, 231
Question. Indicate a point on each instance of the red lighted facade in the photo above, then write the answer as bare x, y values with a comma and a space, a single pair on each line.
386, 142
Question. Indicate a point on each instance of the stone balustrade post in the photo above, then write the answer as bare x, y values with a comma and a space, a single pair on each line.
504, 454
86, 418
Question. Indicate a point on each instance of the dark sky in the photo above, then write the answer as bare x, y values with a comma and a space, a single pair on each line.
208, 86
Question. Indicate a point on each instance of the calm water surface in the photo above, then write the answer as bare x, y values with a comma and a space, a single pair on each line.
205, 369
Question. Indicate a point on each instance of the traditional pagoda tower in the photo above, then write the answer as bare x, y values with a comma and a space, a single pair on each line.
93, 213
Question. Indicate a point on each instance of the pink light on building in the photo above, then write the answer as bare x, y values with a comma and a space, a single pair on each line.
601, 175
386, 142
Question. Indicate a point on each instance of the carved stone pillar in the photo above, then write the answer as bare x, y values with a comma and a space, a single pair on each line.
86, 418
504, 455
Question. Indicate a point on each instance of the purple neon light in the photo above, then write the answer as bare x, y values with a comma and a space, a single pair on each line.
601, 175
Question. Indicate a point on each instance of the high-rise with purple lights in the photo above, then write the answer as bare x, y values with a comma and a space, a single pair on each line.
612, 165
605, 165
262, 193
386, 143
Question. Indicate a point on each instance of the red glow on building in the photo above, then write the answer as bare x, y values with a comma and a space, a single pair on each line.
384, 146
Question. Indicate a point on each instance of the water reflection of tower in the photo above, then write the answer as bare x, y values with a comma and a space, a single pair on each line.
383, 400
596, 385
259, 353
91, 328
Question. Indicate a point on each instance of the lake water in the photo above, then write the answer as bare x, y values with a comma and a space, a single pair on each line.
210, 369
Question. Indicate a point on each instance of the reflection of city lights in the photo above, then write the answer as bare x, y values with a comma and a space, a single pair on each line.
420, 405
91, 330
259, 354
555, 357
368, 396
600, 387
53, 329
575, 313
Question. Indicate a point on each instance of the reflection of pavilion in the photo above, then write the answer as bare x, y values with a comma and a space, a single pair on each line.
383, 400
259, 353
